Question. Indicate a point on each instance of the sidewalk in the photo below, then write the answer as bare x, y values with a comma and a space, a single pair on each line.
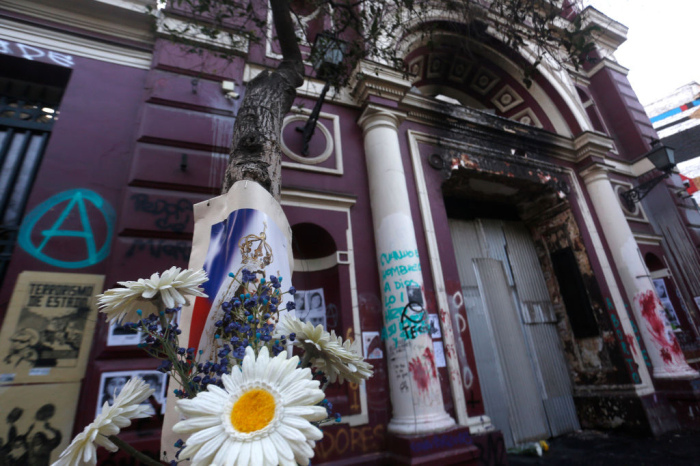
593, 448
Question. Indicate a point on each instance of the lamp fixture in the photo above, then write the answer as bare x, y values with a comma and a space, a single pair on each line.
663, 158
327, 59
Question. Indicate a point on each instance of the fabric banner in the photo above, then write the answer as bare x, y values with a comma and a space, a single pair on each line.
243, 229
48, 328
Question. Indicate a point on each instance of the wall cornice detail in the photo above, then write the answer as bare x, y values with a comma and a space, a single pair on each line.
74, 45
373, 79
121, 19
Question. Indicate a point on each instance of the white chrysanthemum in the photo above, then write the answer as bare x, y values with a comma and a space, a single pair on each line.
127, 406
262, 416
121, 304
337, 360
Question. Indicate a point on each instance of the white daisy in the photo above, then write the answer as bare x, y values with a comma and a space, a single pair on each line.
327, 352
127, 406
262, 416
354, 367
121, 304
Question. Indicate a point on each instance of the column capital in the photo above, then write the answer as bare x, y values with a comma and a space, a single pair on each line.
595, 172
374, 115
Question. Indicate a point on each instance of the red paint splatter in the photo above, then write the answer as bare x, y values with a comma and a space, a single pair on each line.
420, 375
428, 354
650, 304
666, 356
629, 339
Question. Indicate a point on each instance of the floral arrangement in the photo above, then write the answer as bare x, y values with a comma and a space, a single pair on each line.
254, 403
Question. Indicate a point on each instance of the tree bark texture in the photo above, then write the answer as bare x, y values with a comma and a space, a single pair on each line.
255, 148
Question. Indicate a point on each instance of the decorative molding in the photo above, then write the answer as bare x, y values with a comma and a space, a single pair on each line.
610, 34
121, 19
607, 63
332, 142
416, 68
223, 41
507, 99
436, 65
592, 144
638, 214
460, 69
372, 79
527, 117
484, 80
74, 45
652, 240
337, 203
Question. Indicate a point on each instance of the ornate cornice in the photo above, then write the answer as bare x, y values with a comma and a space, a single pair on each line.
373, 79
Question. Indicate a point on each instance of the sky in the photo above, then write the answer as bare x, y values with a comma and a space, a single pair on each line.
660, 43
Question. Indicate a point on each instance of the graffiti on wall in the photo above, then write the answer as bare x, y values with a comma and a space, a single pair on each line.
350, 441
69, 203
169, 216
403, 303
33, 53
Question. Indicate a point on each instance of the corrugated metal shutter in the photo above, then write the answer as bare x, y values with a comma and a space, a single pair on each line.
523, 374
493, 387
540, 329
527, 416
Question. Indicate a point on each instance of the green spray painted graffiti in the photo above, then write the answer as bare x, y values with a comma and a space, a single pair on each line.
74, 199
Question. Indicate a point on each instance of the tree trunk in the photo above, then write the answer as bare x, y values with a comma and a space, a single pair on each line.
255, 149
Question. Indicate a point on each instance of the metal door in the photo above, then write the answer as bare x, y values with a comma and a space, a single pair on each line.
523, 374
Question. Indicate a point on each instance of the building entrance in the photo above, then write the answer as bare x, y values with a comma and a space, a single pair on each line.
524, 377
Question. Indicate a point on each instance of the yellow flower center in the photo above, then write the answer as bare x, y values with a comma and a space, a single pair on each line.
253, 411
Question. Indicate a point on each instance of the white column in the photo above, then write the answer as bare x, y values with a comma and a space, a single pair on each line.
659, 339
416, 396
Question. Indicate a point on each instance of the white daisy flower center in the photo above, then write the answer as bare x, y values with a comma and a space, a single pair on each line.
253, 411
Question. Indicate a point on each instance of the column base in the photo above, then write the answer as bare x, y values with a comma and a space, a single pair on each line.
684, 374
425, 424
454, 446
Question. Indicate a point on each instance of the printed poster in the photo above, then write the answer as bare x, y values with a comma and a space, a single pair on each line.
48, 328
372, 344
663, 294
37, 422
245, 228
111, 384
311, 307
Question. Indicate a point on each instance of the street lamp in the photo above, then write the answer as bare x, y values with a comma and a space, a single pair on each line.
664, 160
327, 59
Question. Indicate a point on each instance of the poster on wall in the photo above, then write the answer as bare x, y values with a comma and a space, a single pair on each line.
121, 335
37, 422
663, 294
372, 344
111, 384
48, 328
243, 229
311, 306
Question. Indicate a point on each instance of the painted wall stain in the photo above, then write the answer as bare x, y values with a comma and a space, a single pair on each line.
420, 375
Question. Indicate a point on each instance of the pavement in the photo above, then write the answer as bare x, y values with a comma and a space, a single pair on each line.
594, 448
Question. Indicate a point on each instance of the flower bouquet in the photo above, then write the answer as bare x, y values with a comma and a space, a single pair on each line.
253, 403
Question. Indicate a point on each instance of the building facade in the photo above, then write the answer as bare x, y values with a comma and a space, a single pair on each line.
456, 207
